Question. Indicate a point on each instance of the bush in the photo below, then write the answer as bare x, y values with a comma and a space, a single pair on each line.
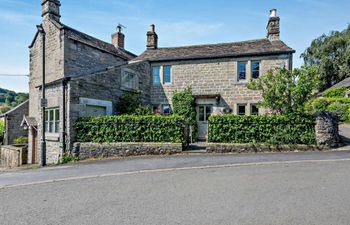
2, 130
130, 129
266, 129
335, 92
341, 109
184, 104
131, 104
339, 106
21, 140
67, 158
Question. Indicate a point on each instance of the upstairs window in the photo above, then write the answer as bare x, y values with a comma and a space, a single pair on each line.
52, 120
255, 70
242, 71
167, 75
156, 75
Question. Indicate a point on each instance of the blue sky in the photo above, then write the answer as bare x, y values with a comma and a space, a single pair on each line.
180, 22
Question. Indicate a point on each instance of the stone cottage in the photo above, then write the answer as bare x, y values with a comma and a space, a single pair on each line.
86, 76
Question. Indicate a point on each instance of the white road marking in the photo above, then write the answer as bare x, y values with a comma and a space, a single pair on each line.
171, 170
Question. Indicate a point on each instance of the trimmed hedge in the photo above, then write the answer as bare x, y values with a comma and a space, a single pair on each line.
129, 128
335, 92
339, 106
264, 129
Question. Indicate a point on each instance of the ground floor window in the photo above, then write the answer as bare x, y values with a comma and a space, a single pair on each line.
166, 109
52, 120
254, 110
241, 109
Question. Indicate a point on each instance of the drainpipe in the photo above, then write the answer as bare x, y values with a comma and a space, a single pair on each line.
64, 85
43, 99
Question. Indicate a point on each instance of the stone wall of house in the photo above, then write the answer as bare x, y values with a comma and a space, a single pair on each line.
216, 76
81, 59
13, 129
327, 130
95, 150
106, 86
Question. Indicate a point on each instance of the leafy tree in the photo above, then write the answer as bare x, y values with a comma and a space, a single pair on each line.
4, 108
130, 103
332, 54
285, 91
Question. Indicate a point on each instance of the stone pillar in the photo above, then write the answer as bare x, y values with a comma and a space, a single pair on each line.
327, 130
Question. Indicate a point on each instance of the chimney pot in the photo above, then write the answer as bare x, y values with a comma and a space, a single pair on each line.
153, 28
273, 13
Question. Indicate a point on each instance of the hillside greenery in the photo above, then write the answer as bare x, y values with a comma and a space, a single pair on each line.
10, 99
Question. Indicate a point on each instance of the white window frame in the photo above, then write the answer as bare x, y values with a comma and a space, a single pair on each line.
52, 126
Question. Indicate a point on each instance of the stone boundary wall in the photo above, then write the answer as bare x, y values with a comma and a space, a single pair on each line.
103, 150
13, 156
327, 129
250, 148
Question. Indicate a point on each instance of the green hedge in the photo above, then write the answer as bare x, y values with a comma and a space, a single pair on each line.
265, 129
339, 106
335, 92
128, 128
2, 129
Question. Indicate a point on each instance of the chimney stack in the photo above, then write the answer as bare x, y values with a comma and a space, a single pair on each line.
118, 38
51, 9
152, 38
273, 26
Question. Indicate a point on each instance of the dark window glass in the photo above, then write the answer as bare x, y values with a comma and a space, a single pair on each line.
156, 109
208, 111
255, 70
167, 74
166, 109
254, 110
156, 75
201, 113
241, 110
242, 70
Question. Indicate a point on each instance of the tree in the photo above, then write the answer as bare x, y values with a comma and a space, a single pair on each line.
285, 91
130, 103
4, 108
332, 54
2, 129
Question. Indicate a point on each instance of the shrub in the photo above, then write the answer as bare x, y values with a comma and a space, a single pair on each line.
2, 130
341, 109
335, 92
184, 104
67, 158
21, 140
131, 104
265, 129
128, 128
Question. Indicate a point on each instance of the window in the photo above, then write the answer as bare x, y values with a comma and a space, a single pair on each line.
156, 109
255, 70
52, 120
204, 112
156, 75
167, 75
129, 80
242, 70
241, 110
166, 109
254, 110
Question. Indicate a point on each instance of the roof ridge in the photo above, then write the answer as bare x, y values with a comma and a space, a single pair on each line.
222, 43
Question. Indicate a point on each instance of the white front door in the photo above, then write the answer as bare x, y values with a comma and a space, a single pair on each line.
203, 114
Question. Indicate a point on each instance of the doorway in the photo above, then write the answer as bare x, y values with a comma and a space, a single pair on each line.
203, 113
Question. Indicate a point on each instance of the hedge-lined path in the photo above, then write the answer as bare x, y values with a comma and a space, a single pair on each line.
91, 169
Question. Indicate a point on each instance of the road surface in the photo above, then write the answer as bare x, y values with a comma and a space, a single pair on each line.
282, 188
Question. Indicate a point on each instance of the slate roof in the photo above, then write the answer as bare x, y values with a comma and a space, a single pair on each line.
91, 41
235, 49
343, 83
